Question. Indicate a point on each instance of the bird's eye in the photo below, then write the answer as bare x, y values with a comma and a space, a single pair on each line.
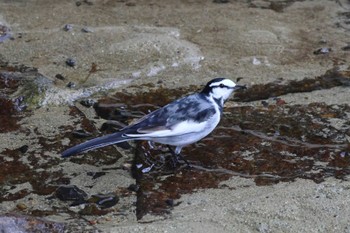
222, 85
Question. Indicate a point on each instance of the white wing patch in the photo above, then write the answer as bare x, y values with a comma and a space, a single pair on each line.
183, 127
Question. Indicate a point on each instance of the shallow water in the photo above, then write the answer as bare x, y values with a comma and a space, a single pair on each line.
292, 123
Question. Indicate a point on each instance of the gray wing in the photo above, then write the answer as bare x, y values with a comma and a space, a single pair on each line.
196, 108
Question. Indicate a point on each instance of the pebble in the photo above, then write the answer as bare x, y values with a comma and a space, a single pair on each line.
23, 149
86, 30
71, 62
68, 27
323, 50
71, 85
59, 76
21, 206
70, 193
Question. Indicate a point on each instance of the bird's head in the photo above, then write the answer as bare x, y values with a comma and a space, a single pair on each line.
221, 88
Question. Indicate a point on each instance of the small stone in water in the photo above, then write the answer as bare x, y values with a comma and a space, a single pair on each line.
86, 30
71, 85
71, 62
322, 51
59, 76
21, 206
68, 27
70, 193
23, 149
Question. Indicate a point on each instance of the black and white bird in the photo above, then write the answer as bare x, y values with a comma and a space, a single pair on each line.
180, 123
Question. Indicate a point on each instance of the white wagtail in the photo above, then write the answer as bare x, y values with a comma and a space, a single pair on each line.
180, 123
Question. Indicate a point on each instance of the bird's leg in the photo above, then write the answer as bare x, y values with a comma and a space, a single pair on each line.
175, 155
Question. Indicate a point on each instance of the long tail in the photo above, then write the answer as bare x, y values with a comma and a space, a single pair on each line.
96, 143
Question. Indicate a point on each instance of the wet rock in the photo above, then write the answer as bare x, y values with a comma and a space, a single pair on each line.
332, 78
23, 149
68, 27
24, 85
21, 206
70, 193
71, 62
87, 30
323, 50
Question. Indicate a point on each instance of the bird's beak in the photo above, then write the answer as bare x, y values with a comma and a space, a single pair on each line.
238, 87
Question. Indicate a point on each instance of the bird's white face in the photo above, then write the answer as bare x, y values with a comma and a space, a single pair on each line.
222, 89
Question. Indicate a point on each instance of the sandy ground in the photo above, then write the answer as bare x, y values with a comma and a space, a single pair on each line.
241, 206
183, 43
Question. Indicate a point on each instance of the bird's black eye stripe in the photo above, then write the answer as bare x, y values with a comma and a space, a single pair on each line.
220, 85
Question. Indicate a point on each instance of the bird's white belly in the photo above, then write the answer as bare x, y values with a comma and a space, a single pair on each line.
191, 137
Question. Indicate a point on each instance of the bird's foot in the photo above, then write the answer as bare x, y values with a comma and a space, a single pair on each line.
175, 158
183, 159
179, 159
